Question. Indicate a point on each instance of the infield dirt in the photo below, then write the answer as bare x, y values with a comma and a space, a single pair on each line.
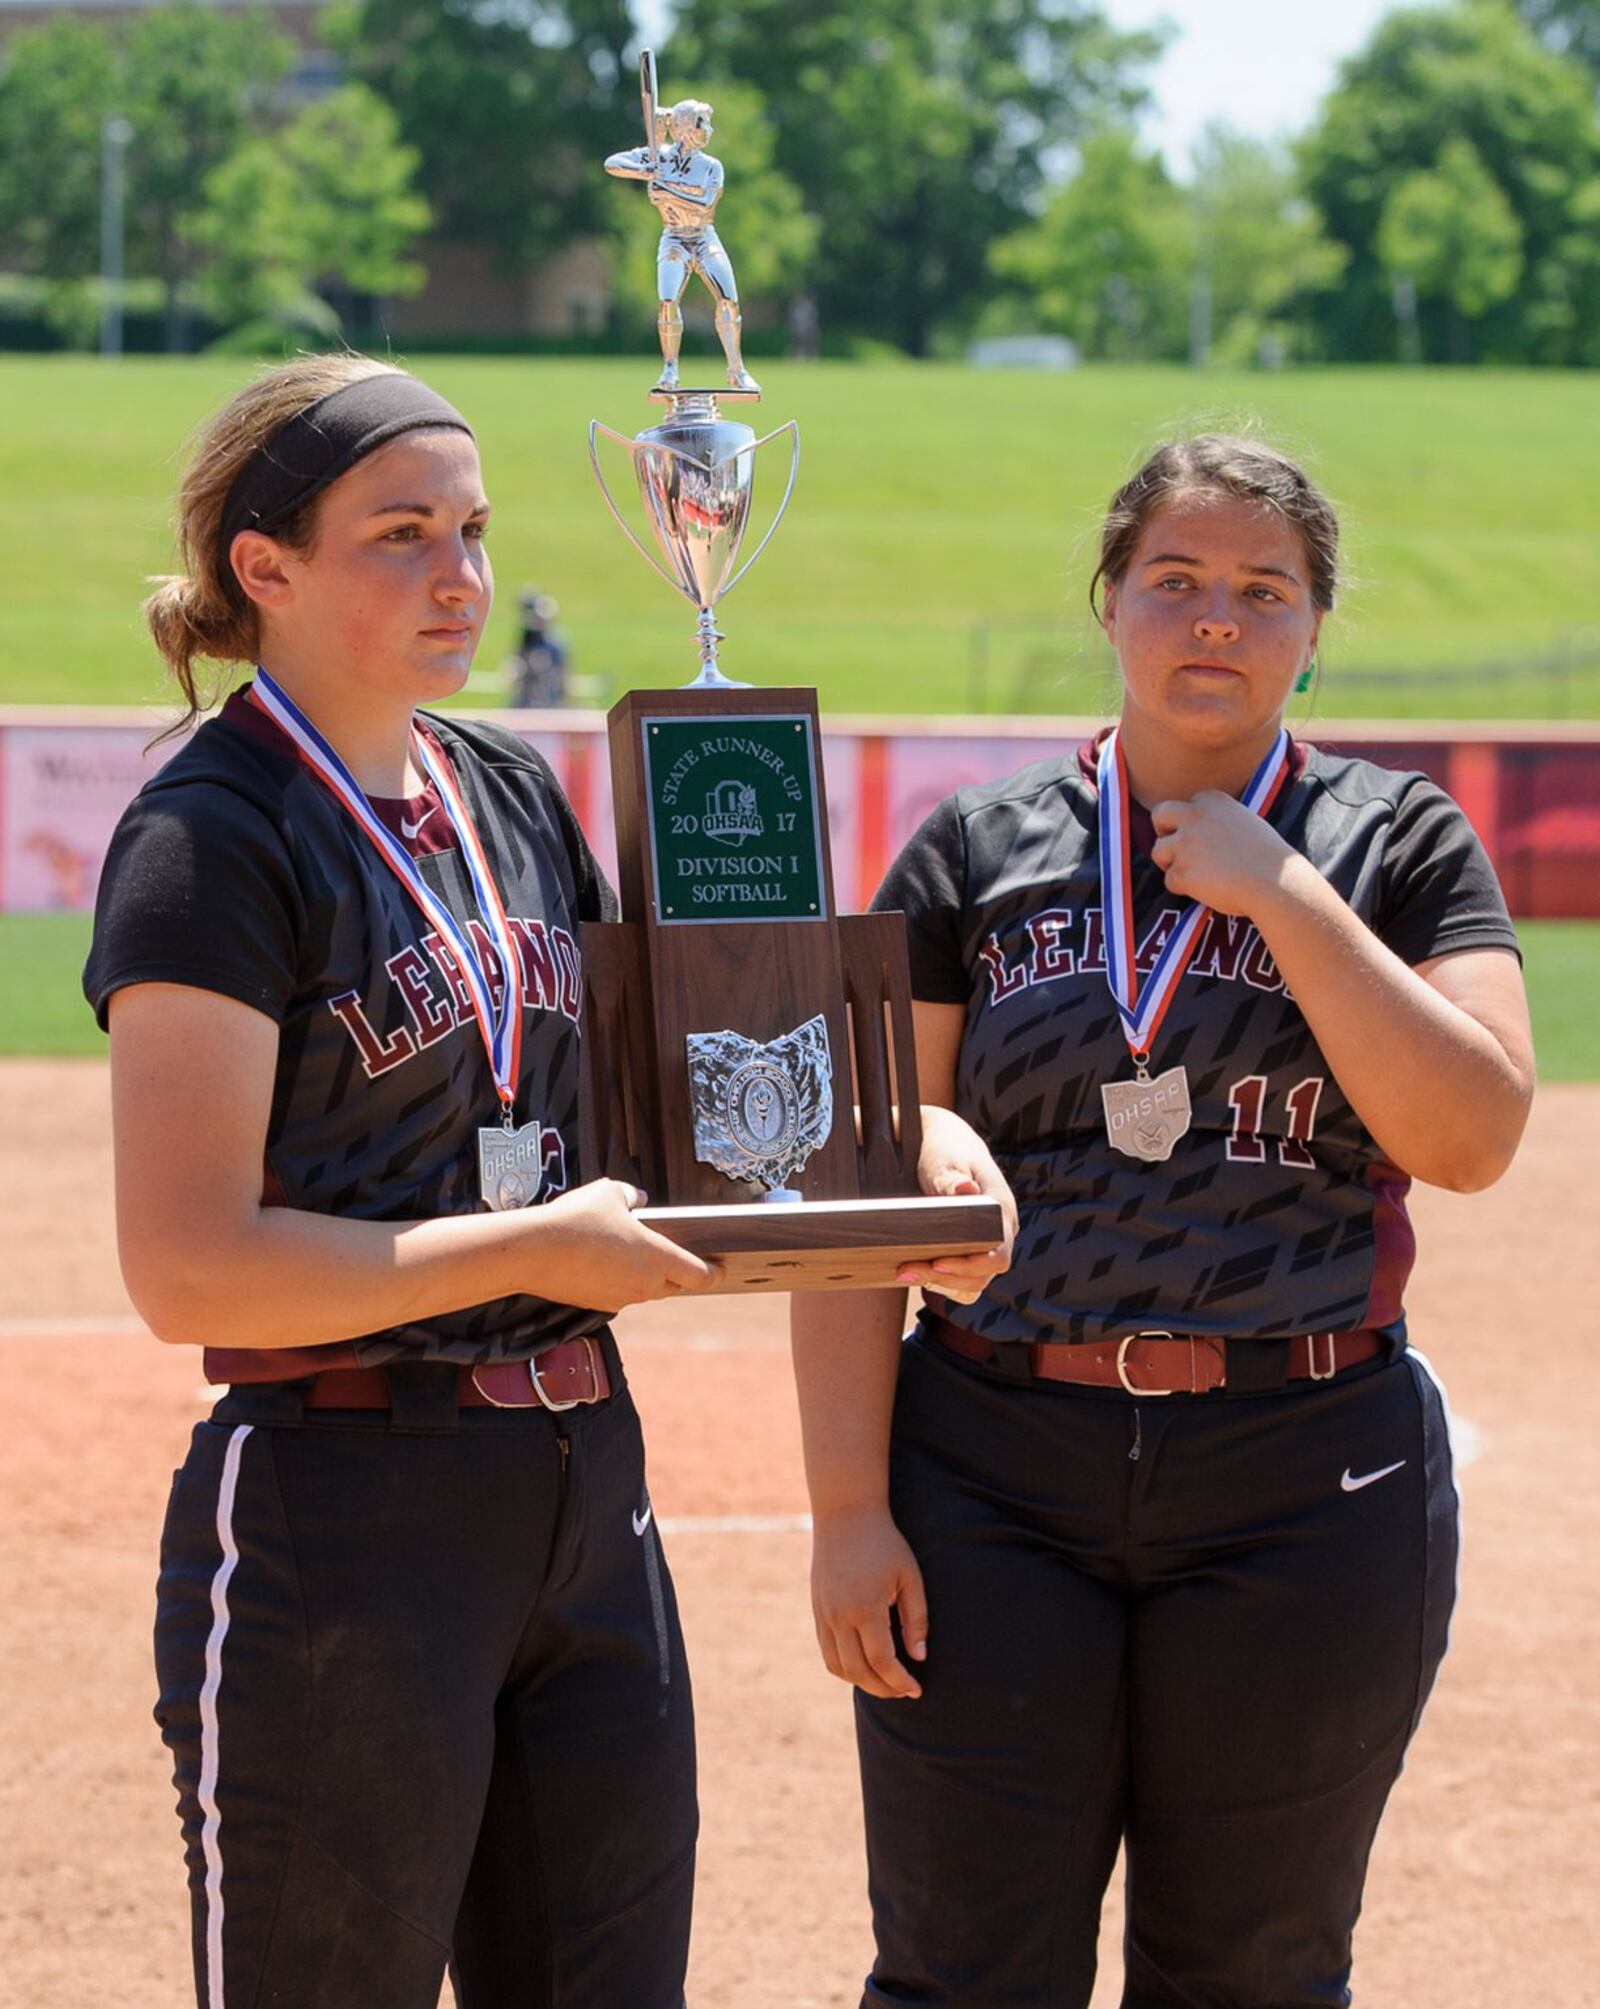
1478, 1894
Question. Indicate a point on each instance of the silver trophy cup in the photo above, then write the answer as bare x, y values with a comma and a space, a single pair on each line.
696, 475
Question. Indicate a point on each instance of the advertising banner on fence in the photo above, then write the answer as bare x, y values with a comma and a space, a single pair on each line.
1533, 798
62, 788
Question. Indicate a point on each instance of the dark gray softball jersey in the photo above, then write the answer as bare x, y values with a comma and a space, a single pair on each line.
1277, 1213
235, 870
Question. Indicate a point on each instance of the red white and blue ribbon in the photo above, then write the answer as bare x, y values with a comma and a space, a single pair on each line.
502, 1028
1142, 1011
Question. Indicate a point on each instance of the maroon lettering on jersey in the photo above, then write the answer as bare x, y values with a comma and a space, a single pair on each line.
541, 988
445, 961
1002, 981
377, 1055
1302, 1101
1150, 948
1094, 940
1051, 956
489, 957
414, 979
1229, 948
434, 992
1221, 947
571, 972
1259, 969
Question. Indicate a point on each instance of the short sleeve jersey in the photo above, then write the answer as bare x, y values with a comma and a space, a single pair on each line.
1277, 1213
236, 871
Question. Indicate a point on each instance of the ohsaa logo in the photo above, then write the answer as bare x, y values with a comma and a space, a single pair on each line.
731, 814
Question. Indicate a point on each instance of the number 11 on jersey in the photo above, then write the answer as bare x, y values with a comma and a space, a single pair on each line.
1247, 1099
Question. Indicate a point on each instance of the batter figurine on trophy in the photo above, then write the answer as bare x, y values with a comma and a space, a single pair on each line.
685, 185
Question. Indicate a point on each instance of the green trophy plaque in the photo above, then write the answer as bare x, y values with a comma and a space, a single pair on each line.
732, 810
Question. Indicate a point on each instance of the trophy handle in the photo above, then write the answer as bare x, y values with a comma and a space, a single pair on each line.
793, 431
622, 522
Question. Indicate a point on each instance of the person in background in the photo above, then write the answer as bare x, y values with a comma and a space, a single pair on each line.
539, 666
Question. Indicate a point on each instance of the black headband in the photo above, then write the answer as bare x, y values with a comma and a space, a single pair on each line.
316, 446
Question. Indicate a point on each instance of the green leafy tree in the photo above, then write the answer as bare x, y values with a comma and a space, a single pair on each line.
1571, 27
769, 234
1453, 235
249, 232
1473, 72
57, 84
356, 183
189, 79
1259, 248
1107, 262
917, 131
196, 79
327, 200
512, 106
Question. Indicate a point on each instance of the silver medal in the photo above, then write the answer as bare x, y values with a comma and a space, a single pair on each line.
1146, 1117
510, 1166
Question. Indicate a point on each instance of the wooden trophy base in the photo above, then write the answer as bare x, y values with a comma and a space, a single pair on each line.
826, 1245
731, 939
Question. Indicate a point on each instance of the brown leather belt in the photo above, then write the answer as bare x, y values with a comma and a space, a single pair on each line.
1164, 1363
563, 1376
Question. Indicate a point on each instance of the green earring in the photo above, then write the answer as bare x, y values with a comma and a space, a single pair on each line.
1302, 682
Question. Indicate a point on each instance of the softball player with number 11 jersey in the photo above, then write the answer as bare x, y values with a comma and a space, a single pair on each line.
1155, 1544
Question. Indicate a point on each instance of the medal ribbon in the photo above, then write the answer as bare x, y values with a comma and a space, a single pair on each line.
502, 1029
1142, 1011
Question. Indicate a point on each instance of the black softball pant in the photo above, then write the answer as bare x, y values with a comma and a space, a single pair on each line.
1202, 1626
426, 1695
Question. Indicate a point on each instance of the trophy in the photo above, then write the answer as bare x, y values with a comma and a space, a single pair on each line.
747, 1051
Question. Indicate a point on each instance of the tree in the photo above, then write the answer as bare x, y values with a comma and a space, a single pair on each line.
188, 78
57, 85
355, 182
1260, 251
326, 199
1570, 27
769, 235
196, 78
917, 131
249, 234
512, 106
1474, 72
1453, 235
1108, 261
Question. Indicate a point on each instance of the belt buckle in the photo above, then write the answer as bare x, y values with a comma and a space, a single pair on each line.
549, 1400
1122, 1363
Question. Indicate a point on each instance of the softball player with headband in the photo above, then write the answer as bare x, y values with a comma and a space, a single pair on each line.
418, 1653
1156, 1543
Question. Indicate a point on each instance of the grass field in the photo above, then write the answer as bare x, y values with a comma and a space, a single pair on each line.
938, 550
42, 1009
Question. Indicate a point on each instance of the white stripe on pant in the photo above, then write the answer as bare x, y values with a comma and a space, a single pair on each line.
211, 1825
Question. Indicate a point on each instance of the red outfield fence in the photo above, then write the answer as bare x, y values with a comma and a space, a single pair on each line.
1531, 790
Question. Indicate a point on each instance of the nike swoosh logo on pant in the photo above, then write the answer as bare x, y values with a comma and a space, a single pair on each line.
1352, 1485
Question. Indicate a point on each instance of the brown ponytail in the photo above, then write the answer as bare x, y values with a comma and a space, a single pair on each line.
203, 612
